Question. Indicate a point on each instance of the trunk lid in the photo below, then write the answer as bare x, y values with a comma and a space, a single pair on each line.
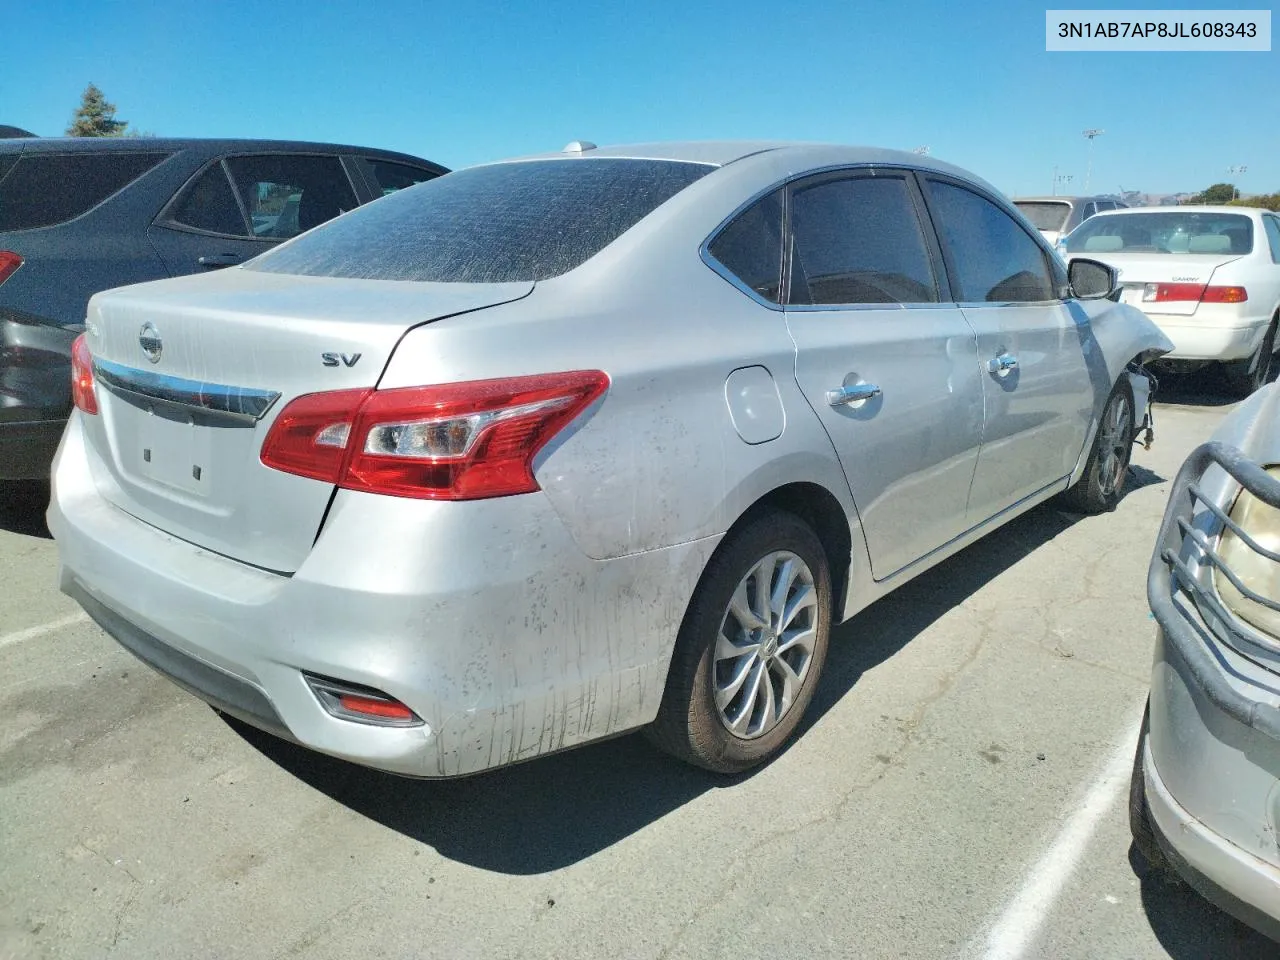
177, 439
1139, 269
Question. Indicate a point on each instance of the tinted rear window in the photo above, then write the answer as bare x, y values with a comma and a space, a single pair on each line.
1179, 233
500, 223
46, 189
1044, 216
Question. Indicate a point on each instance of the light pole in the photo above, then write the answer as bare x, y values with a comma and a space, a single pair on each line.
1065, 178
1090, 135
1235, 172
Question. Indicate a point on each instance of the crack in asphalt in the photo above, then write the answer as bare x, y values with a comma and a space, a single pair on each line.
909, 727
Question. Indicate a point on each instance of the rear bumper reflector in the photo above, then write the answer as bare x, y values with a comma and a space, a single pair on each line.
350, 701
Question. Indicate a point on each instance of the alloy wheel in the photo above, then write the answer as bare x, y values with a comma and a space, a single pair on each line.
765, 645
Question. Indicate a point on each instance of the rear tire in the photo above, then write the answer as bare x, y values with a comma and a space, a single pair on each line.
750, 649
1099, 487
1253, 373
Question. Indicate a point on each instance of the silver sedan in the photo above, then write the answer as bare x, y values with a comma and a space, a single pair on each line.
551, 449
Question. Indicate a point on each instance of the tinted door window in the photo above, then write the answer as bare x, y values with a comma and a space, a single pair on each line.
391, 177
209, 204
750, 247
1104, 205
285, 195
1273, 236
991, 258
858, 240
45, 189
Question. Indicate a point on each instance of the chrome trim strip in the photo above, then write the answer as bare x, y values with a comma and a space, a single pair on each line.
239, 403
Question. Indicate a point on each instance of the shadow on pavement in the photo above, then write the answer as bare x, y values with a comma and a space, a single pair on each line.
1206, 387
1190, 927
22, 507
556, 810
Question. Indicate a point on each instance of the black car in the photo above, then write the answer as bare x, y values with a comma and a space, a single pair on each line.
82, 215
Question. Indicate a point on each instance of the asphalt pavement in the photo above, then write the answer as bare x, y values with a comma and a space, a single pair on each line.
956, 793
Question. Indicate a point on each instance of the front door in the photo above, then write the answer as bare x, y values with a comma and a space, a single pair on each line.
890, 368
1039, 399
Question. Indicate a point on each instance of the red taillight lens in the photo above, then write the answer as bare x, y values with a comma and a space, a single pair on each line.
1171, 292
312, 434
9, 263
1192, 292
1224, 295
369, 707
457, 441
82, 392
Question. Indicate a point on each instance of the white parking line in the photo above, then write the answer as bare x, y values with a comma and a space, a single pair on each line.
1018, 924
31, 633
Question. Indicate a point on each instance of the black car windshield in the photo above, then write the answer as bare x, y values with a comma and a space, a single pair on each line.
1047, 215
506, 222
1193, 232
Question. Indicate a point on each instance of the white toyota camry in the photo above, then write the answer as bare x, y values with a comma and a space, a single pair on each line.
1209, 277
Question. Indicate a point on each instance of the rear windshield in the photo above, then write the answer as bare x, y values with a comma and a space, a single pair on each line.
505, 222
41, 190
1044, 216
1173, 232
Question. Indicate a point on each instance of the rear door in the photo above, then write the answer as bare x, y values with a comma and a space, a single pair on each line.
1031, 347
871, 320
239, 206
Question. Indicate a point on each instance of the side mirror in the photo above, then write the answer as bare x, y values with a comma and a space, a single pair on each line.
1093, 280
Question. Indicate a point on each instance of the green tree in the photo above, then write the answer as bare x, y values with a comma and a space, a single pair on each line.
95, 116
1218, 193
1268, 201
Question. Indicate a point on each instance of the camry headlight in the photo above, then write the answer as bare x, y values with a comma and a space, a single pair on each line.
1258, 573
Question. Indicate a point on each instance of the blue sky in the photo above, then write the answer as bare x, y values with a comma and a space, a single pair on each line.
464, 83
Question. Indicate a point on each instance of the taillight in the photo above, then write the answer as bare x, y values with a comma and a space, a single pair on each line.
456, 441
9, 263
1192, 292
82, 392
1224, 295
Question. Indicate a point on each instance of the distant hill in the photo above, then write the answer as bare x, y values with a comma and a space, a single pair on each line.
7, 132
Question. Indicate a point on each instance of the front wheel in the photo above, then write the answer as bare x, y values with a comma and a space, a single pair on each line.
1098, 489
750, 649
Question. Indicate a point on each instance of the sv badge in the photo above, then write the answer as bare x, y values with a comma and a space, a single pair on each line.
333, 359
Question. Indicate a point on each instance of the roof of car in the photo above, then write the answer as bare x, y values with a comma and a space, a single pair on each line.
1059, 198
724, 152
1185, 208
204, 145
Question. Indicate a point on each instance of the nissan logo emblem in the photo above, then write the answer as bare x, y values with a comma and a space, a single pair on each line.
150, 342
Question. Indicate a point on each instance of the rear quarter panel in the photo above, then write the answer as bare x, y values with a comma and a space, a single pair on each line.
659, 462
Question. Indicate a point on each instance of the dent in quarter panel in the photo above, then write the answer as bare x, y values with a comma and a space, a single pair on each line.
754, 405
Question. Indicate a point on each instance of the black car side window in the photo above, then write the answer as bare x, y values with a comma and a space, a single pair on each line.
285, 195
750, 247
210, 205
45, 189
859, 240
391, 177
990, 257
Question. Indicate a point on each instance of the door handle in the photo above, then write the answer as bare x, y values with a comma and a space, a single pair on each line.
213, 261
1002, 364
855, 393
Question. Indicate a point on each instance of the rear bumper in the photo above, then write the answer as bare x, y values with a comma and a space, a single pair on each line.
27, 448
1201, 338
484, 618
